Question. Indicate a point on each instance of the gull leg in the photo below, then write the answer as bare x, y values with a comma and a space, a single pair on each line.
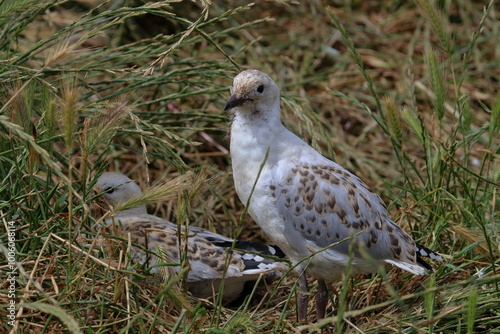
321, 300
302, 298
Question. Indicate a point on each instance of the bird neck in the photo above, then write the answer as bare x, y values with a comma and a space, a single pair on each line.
254, 130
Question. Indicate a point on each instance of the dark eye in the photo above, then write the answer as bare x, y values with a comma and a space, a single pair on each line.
109, 190
260, 89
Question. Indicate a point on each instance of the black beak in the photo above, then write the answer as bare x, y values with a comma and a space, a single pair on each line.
234, 102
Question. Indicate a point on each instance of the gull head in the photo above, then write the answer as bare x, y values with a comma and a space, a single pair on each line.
253, 91
117, 188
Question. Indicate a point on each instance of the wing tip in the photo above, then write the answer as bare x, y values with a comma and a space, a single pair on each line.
423, 251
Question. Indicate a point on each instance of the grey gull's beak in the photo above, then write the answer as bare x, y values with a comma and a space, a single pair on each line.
234, 102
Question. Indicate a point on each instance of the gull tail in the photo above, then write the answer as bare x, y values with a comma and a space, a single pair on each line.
426, 252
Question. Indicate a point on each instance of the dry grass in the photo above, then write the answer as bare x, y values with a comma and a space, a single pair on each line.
403, 95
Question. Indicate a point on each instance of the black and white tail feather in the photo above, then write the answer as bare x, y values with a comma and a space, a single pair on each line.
423, 251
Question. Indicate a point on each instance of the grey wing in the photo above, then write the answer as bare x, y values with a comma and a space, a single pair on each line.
153, 239
241, 245
324, 204
208, 261
160, 237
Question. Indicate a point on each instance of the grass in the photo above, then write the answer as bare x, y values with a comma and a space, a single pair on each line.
405, 95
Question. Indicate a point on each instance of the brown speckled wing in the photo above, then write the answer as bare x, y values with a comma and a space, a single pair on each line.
205, 259
324, 204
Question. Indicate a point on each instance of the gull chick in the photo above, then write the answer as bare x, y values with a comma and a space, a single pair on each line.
206, 251
309, 206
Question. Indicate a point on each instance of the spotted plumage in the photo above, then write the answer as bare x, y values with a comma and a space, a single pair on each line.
304, 202
156, 240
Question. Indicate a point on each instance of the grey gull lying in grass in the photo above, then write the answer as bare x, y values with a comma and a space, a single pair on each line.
206, 251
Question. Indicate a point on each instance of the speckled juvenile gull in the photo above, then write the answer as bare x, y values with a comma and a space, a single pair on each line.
206, 251
305, 202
